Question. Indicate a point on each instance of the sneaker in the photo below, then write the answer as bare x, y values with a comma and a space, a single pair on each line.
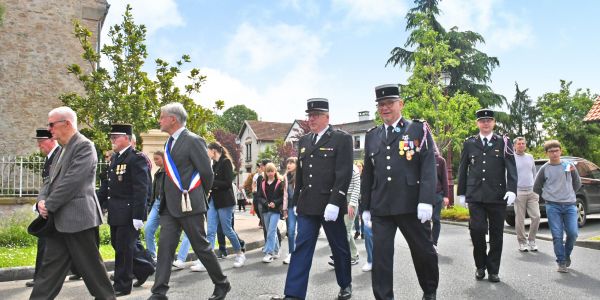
268, 258
354, 261
367, 267
568, 262
275, 255
523, 247
533, 247
356, 235
178, 265
240, 259
198, 267
287, 259
562, 268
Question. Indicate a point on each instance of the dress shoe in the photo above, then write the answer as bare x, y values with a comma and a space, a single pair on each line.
284, 298
220, 291
345, 293
75, 277
480, 274
430, 296
158, 297
29, 283
122, 293
493, 278
139, 282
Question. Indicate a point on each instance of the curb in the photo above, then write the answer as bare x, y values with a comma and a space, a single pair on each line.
580, 243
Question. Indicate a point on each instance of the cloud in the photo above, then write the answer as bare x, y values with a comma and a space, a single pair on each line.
309, 8
372, 10
159, 14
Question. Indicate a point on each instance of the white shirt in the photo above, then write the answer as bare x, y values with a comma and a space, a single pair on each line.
176, 135
51, 151
321, 133
121, 152
393, 125
489, 137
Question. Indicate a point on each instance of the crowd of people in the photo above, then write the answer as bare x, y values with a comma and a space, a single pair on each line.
400, 184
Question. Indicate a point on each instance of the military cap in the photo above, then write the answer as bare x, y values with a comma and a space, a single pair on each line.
387, 92
485, 113
42, 133
117, 129
317, 104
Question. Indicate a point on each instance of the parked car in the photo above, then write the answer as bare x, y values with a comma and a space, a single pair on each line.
588, 196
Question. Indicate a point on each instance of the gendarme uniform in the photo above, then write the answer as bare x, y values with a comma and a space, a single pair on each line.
399, 173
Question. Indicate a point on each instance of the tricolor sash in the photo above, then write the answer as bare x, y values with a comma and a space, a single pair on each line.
171, 170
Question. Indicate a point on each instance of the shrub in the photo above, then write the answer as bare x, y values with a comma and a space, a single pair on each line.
455, 213
13, 228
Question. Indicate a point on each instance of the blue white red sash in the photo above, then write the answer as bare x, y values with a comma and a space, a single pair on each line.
173, 173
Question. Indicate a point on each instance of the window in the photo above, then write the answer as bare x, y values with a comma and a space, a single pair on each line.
248, 152
357, 142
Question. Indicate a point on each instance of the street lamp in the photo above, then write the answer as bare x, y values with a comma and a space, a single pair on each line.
445, 79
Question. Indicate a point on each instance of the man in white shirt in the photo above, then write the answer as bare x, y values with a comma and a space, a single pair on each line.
527, 201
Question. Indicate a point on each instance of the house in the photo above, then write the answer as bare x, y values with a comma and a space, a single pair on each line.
358, 131
255, 136
594, 114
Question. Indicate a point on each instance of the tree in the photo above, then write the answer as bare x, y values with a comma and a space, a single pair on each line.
233, 118
227, 140
522, 117
563, 120
284, 151
269, 153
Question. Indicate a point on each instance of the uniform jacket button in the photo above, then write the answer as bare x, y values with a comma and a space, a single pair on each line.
389, 178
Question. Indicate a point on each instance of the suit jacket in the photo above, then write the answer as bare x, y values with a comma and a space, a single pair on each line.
485, 175
70, 194
189, 154
125, 197
48, 161
323, 173
393, 184
221, 191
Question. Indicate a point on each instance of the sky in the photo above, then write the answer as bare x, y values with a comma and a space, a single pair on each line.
274, 55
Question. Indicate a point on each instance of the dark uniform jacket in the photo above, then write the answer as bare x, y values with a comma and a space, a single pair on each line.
221, 191
484, 176
127, 189
323, 173
395, 182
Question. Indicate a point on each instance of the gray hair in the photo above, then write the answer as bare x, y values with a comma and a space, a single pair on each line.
65, 113
176, 110
519, 138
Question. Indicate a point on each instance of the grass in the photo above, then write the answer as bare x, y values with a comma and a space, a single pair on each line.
596, 238
25, 256
455, 213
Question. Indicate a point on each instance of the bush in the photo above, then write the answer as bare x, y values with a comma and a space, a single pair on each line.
455, 213
13, 228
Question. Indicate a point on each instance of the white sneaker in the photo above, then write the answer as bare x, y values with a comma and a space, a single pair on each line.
367, 267
198, 267
532, 246
275, 255
287, 259
268, 258
523, 247
240, 259
178, 265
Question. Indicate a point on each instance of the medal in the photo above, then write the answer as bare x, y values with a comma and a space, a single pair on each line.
408, 156
396, 129
401, 148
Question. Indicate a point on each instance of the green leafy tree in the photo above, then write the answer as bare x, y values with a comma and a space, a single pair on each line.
270, 152
563, 114
522, 118
233, 118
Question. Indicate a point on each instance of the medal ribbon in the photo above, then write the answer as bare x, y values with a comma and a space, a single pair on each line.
171, 170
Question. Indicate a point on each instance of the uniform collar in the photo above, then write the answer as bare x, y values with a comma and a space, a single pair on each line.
52, 151
489, 136
394, 125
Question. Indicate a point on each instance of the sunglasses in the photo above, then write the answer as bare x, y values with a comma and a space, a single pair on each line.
51, 124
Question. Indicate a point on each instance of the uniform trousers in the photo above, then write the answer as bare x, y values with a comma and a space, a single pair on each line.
482, 214
123, 239
296, 281
421, 249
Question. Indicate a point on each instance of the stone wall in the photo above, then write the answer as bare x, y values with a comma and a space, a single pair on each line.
36, 45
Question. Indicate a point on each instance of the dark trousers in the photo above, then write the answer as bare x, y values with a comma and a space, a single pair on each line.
41, 249
143, 263
241, 204
123, 239
296, 282
482, 215
421, 249
435, 218
81, 250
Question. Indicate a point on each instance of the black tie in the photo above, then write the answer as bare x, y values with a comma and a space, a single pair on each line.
170, 143
485, 142
390, 134
314, 139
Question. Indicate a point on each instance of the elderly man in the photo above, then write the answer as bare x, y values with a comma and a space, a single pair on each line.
188, 179
69, 199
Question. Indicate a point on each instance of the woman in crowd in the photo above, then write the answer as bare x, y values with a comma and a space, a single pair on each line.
290, 183
270, 195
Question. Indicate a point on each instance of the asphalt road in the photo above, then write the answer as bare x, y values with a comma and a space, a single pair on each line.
524, 275
589, 230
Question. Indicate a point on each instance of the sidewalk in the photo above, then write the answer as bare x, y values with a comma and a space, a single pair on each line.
246, 225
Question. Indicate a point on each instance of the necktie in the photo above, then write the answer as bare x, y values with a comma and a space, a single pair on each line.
485, 142
314, 139
390, 134
170, 143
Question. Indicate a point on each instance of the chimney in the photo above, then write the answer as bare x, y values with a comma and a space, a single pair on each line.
363, 115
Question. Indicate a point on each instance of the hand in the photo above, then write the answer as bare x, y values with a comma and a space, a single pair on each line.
462, 200
351, 211
41, 208
295, 212
331, 212
510, 198
446, 201
271, 205
424, 212
285, 214
366, 216
137, 224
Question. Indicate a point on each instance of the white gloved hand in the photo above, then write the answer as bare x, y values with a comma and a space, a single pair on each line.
137, 224
366, 216
424, 212
331, 212
462, 200
510, 198
295, 212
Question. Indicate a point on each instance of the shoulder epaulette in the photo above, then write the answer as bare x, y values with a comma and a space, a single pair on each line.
419, 120
371, 129
470, 137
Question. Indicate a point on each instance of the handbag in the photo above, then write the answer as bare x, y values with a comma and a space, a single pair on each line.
41, 227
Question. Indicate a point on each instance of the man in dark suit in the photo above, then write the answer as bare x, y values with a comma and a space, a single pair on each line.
125, 199
398, 190
188, 179
487, 181
70, 199
322, 180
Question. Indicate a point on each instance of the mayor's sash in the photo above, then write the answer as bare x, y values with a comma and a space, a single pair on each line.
171, 170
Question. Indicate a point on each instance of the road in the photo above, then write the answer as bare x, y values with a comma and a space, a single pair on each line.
524, 275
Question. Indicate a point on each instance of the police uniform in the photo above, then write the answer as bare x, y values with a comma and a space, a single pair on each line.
322, 177
486, 173
125, 199
399, 173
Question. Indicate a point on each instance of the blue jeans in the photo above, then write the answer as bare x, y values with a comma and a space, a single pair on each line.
272, 243
562, 218
291, 229
368, 243
151, 227
184, 248
435, 218
221, 216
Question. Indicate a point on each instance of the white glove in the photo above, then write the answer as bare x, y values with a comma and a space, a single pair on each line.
510, 198
424, 212
331, 212
295, 212
366, 216
462, 200
137, 224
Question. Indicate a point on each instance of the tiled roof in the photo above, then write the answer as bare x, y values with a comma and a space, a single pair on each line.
356, 127
594, 114
269, 131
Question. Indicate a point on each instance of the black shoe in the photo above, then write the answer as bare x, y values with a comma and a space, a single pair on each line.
122, 293
139, 282
493, 278
362, 236
158, 297
345, 293
220, 291
356, 235
243, 246
430, 296
29, 283
221, 254
75, 277
284, 298
480, 274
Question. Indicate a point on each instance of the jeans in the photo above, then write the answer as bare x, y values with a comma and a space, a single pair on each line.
349, 224
562, 218
435, 218
221, 216
368, 243
151, 227
291, 229
271, 244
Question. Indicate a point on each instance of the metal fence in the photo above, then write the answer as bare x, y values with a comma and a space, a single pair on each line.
21, 176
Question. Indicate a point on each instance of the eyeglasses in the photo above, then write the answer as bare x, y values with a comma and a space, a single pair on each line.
385, 104
51, 124
314, 115
553, 150
115, 137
